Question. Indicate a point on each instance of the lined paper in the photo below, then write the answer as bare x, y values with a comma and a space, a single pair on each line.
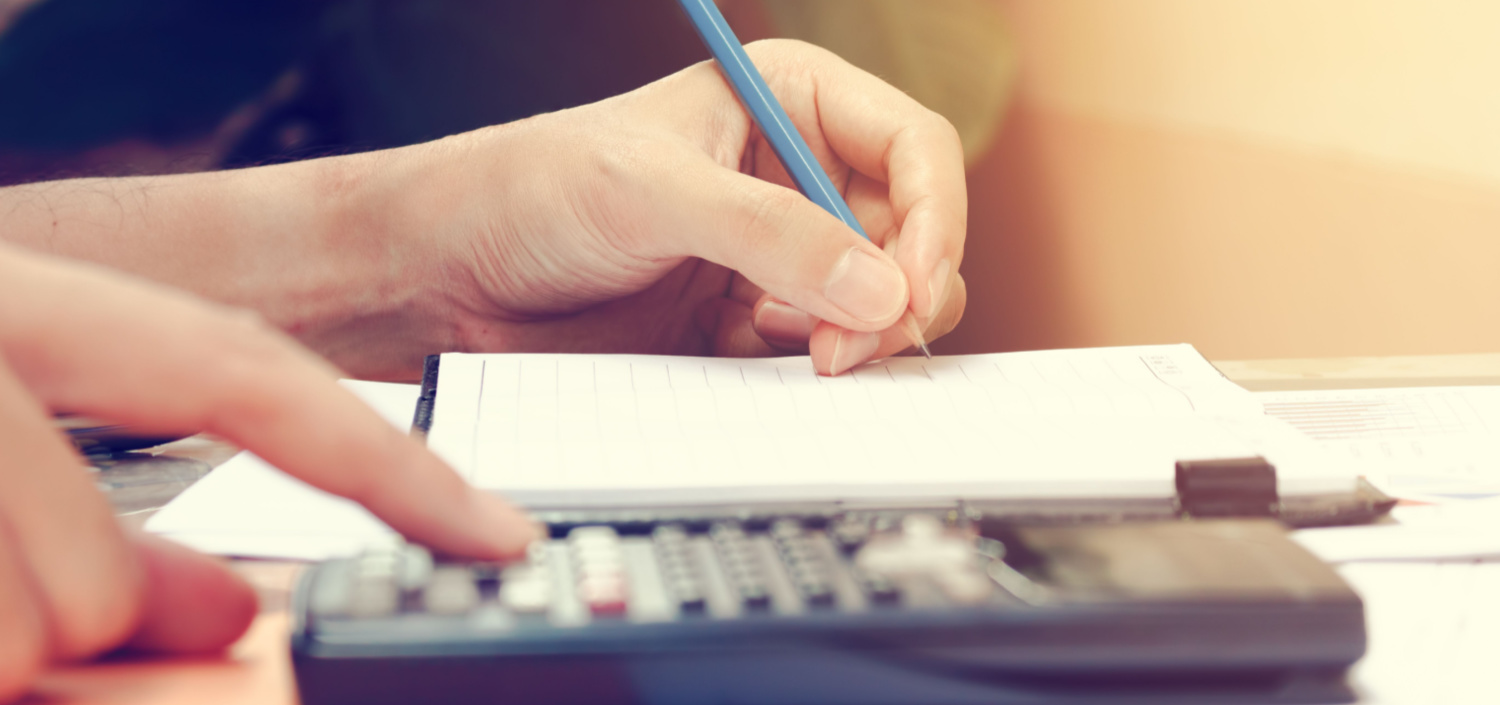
583, 430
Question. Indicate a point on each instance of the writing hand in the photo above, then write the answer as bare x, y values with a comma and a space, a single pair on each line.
659, 220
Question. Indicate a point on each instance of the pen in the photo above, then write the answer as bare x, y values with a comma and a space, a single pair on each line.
778, 129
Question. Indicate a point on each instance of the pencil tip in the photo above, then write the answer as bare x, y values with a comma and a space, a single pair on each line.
913, 332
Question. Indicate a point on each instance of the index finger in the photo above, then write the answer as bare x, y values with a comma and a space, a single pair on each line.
886, 135
175, 363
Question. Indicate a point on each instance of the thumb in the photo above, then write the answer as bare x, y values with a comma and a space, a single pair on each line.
193, 603
787, 245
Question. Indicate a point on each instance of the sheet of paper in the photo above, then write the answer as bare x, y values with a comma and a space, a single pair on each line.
1455, 529
1425, 443
1434, 632
247, 508
579, 430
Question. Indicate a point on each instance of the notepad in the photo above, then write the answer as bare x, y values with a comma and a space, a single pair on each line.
619, 430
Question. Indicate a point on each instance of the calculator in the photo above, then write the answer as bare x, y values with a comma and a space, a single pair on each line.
899, 607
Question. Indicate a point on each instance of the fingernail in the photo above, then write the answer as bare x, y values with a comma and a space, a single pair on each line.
866, 288
937, 287
783, 322
851, 348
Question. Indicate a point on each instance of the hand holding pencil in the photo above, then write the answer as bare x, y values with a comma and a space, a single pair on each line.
791, 150
662, 221
657, 221
777, 129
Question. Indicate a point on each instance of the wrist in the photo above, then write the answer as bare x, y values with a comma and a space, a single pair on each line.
373, 295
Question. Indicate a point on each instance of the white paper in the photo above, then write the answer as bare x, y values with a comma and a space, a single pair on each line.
1428, 443
1455, 529
247, 508
1086, 404
581, 430
1434, 632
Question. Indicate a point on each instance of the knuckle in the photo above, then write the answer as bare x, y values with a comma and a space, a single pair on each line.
621, 161
763, 219
790, 59
947, 130
778, 46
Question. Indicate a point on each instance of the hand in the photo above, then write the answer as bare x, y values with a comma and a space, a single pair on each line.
659, 221
76, 338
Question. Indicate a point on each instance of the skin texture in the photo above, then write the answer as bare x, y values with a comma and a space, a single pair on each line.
73, 583
656, 221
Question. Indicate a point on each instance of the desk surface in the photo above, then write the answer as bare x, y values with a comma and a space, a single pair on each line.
258, 669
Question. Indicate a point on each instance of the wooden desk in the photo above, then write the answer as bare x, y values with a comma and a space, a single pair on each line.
258, 669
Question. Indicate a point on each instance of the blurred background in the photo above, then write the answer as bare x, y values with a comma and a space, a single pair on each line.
1262, 178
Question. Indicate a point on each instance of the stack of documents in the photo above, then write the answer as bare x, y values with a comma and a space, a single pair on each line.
590, 430
1436, 447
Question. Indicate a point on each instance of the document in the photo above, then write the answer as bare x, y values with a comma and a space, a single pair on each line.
1100, 408
1426, 443
1452, 530
1438, 446
1434, 632
593, 430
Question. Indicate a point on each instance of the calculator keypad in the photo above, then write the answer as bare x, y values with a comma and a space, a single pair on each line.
676, 571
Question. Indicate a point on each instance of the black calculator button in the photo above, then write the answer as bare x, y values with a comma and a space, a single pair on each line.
817, 594
691, 604
880, 591
755, 597
849, 535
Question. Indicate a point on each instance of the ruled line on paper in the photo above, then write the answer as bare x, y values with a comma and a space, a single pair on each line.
673, 422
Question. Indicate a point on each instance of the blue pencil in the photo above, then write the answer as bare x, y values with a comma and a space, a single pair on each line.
777, 128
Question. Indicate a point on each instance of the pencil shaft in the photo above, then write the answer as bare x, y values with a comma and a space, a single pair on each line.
777, 128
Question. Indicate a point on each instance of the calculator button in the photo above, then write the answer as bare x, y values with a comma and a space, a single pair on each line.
849, 534
530, 596
755, 597
373, 599
690, 602
879, 590
593, 536
375, 592
415, 567
451, 590
603, 595
817, 594
599, 564
786, 529
669, 533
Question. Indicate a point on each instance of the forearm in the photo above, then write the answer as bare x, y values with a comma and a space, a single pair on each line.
304, 244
